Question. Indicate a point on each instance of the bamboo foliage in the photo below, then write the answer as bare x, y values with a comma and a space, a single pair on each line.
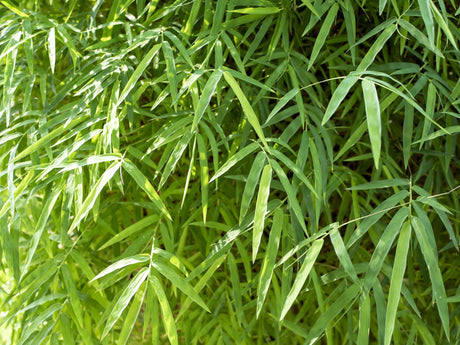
229, 172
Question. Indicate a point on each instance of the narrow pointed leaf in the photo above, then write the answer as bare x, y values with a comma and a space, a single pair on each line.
261, 209
302, 275
138, 72
331, 313
180, 283
251, 183
437, 282
168, 318
374, 123
130, 290
384, 246
397, 277
268, 264
247, 108
144, 183
92, 196
132, 260
323, 33
73, 293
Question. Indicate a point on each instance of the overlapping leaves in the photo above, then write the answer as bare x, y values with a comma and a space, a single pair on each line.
229, 172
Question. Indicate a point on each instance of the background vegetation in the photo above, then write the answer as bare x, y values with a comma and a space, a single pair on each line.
229, 172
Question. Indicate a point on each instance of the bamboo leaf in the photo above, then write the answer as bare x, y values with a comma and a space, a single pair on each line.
130, 290
52, 48
302, 275
384, 246
342, 253
242, 153
130, 230
205, 98
73, 293
364, 320
168, 318
375, 215
132, 315
331, 313
251, 183
323, 33
397, 276
437, 282
146, 186
397, 182
268, 264
261, 209
91, 198
179, 282
427, 17
338, 96
374, 123
132, 260
248, 110
137, 73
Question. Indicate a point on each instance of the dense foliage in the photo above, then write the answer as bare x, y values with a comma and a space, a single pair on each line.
229, 172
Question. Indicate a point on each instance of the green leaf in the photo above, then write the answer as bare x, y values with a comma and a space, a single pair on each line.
282, 102
180, 283
374, 123
396, 282
342, 253
437, 282
132, 260
170, 68
323, 33
379, 43
52, 48
261, 209
137, 73
257, 10
242, 153
11, 6
338, 96
383, 247
247, 79
364, 320
67, 335
174, 157
48, 137
206, 96
146, 186
204, 174
130, 290
442, 24
168, 318
427, 17
73, 293
45, 214
344, 301
294, 168
130, 230
302, 275
251, 184
91, 198
132, 315
247, 109
268, 264
289, 189
396, 182
375, 215
37, 321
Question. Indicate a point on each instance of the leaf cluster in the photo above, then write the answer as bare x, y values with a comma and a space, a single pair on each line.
229, 172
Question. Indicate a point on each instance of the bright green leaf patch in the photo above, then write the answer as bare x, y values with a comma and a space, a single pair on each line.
229, 172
